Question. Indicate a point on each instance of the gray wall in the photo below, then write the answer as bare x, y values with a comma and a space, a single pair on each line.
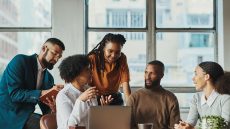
226, 30
68, 25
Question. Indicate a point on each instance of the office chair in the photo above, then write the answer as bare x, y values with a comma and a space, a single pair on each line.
48, 121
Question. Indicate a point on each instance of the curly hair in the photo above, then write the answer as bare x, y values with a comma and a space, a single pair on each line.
72, 66
98, 50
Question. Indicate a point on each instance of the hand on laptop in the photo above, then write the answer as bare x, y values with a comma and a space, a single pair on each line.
88, 94
106, 100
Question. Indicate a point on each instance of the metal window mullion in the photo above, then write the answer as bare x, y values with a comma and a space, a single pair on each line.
25, 29
86, 11
183, 89
151, 42
186, 30
215, 19
117, 29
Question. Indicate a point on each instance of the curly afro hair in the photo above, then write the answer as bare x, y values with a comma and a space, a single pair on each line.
72, 66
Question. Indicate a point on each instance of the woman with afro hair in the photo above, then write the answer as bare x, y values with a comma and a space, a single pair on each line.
75, 99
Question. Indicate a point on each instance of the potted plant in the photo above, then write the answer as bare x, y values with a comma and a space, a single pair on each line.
212, 122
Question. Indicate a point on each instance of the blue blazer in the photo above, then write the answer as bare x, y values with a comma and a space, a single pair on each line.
18, 94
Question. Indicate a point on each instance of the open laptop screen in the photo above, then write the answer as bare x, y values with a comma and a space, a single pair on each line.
109, 117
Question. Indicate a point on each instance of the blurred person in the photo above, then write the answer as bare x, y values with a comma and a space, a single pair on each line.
24, 80
109, 68
213, 99
153, 104
74, 101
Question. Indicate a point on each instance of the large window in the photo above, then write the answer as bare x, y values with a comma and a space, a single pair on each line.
187, 37
120, 17
24, 26
181, 33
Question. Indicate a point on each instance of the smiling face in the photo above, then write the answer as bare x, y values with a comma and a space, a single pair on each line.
112, 51
200, 78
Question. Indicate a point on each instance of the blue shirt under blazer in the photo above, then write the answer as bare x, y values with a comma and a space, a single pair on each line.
18, 94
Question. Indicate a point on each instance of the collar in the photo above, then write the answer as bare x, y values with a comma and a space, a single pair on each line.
40, 66
210, 99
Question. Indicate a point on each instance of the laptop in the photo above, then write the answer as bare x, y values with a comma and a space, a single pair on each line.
109, 117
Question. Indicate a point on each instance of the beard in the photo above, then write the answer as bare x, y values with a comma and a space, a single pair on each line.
154, 83
47, 64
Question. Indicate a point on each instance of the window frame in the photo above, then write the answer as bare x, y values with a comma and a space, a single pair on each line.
30, 29
151, 31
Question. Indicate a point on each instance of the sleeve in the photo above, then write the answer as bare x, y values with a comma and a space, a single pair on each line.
15, 80
125, 77
64, 109
79, 112
226, 108
131, 103
174, 112
193, 111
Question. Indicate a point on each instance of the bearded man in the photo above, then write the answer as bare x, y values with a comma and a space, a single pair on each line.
153, 104
24, 80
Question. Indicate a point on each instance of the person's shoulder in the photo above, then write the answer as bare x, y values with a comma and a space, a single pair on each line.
24, 57
167, 92
225, 97
139, 92
63, 93
170, 95
19, 59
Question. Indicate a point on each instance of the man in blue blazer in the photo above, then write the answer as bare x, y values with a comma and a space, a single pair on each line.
24, 80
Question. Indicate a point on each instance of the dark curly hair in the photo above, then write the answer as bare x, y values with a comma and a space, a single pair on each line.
98, 50
72, 66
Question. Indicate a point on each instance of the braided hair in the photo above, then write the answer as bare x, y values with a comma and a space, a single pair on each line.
99, 52
216, 73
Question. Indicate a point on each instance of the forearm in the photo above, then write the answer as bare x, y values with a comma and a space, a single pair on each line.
78, 113
24, 95
126, 90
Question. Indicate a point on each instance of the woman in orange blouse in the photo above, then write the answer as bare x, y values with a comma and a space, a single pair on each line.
109, 67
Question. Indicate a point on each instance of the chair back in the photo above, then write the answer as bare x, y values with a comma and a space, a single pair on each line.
48, 121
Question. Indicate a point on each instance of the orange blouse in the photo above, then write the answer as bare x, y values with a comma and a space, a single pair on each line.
109, 80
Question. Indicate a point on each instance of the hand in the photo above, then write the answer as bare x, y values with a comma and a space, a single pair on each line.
106, 100
88, 94
183, 125
55, 87
51, 104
